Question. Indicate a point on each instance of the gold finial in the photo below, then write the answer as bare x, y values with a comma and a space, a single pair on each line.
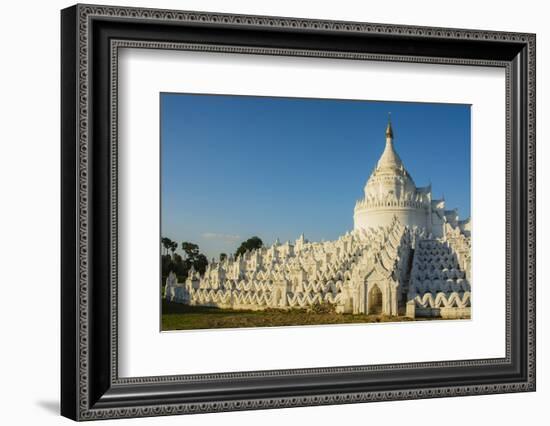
389, 130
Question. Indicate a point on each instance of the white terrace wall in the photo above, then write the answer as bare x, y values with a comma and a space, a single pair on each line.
341, 273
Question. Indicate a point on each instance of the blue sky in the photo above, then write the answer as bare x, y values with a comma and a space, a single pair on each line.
238, 166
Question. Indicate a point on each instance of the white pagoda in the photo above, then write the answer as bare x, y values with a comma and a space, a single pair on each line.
406, 255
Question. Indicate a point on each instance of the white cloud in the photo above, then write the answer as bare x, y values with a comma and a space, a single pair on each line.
221, 237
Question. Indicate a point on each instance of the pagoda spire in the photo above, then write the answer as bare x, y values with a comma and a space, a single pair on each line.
389, 159
389, 130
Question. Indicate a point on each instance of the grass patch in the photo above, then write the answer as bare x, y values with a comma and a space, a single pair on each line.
177, 316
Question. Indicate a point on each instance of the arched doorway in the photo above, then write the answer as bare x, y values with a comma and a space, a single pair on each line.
375, 300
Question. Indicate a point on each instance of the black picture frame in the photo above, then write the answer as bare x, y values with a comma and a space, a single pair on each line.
90, 386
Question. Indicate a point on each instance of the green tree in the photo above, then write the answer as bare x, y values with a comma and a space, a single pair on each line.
200, 264
173, 247
181, 268
191, 251
166, 243
193, 257
174, 262
252, 243
167, 265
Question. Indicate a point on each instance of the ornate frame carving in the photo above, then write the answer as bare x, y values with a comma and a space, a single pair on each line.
91, 37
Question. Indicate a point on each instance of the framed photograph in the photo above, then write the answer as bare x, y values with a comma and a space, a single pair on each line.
263, 212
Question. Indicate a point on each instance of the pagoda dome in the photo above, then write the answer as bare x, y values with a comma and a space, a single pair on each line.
391, 193
389, 179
